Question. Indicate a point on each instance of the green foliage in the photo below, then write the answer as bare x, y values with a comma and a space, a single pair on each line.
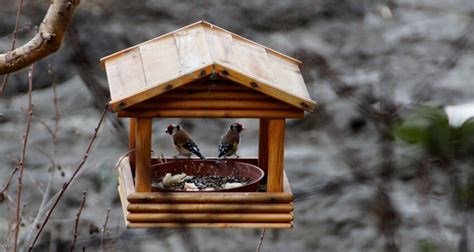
426, 245
429, 128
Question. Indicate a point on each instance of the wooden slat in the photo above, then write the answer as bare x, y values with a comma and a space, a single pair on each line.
253, 61
211, 104
123, 201
162, 55
131, 141
197, 197
152, 91
263, 145
220, 45
210, 225
126, 173
287, 76
219, 85
238, 37
212, 94
276, 129
228, 72
123, 83
192, 48
143, 155
210, 208
213, 113
209, 217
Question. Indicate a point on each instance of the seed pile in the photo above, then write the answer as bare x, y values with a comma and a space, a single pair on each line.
202, 183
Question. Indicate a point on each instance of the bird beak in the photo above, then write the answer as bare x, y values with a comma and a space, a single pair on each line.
244, 128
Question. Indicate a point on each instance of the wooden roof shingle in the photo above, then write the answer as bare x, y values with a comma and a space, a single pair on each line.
193, 52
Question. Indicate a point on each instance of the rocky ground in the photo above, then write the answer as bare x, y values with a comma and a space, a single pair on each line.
387, 49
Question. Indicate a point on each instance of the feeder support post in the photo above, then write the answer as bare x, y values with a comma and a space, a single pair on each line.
143, 155
275, 163
263, 146
131, 142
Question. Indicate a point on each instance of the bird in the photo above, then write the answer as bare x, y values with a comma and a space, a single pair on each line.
229, 142
183, 142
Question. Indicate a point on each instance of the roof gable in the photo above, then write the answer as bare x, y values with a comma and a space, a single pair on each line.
196, 51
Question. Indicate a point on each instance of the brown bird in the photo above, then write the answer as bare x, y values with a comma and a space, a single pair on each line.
229, 143
183, 142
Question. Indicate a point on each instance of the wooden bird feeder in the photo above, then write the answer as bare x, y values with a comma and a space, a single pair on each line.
204, 71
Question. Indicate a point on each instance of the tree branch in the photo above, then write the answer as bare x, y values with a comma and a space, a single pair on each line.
47, 41
15, 32
78, 216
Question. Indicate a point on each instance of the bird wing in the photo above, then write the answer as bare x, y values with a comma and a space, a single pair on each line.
190, 146
226, 148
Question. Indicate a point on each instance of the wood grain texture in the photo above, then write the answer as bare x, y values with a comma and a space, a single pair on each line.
214, 113
125, 172
276, 91
210, 225
211, 94
263, 136
125, 75
143, 155
150, 91
210, 208
165, 104
193, 52
213, 85
230, 197
203, 210
276, 142
209, 217
131, 141
123, 201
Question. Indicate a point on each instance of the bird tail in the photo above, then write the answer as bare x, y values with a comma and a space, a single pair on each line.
195, 150
199, 154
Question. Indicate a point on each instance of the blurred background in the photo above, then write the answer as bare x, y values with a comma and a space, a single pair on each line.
380, 166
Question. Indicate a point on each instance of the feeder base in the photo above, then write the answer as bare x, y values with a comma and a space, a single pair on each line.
203, 210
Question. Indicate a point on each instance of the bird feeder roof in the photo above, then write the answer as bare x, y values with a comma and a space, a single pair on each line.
198, 51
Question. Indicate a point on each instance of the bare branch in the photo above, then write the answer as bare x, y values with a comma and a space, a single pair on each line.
66, 185
78, 215
8, 183
104, 229
48, 40
15, 32
23, 154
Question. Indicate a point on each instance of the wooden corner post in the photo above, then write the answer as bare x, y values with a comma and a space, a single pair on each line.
143, 155
263, 146
275, 152
131, 142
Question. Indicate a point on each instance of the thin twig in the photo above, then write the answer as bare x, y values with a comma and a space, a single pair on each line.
15, 32
78, 215
66, 185
47, 201
261, 239
35, 183
5, 188
46, 126
45, 204
104, 229
45, 153
23, 154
